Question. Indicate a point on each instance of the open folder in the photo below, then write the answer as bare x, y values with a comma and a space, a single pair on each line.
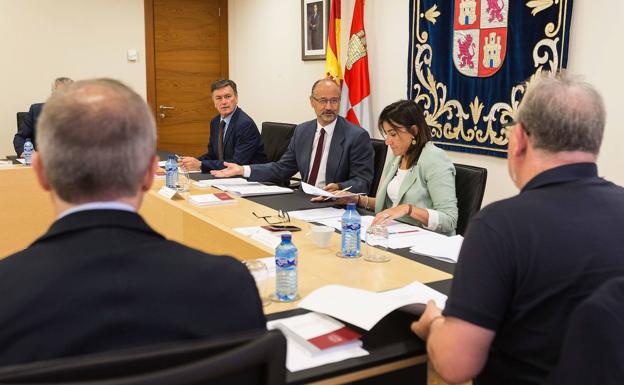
364, 308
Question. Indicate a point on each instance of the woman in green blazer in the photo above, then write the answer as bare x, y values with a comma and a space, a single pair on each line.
418, 181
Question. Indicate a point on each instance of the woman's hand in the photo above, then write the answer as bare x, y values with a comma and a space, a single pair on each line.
387, 215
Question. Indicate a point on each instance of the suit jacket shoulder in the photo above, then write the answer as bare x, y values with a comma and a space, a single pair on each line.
103, 280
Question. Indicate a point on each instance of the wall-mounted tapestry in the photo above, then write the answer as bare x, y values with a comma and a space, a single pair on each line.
469, 60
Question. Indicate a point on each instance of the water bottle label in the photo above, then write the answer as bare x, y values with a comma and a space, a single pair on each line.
283, 263
351, 226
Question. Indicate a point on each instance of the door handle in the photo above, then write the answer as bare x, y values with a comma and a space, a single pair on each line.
163, 107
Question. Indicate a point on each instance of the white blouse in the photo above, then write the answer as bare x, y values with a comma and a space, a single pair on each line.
395, 185
393, 193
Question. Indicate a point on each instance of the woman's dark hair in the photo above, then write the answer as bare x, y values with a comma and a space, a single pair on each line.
406, 113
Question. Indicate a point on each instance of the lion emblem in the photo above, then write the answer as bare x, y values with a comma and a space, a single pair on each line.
466, 52
495, 10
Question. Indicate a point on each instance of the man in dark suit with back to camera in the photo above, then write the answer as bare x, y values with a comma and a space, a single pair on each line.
28, 128
234, 136
329, 152
101, 279
528, 261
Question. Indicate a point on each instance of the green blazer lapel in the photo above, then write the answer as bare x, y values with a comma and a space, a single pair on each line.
383, 191
409, 180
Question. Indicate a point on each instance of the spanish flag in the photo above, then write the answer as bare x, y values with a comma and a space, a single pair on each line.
332, 59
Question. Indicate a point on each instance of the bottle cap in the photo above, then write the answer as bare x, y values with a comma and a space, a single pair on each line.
171, 156
286, 237
350, 206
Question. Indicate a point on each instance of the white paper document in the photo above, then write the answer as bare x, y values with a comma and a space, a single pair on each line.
253, 190
21, 160
438, 246
399, 234
223, 182
365, 308
313, 190
268, 238
298, 357
315, 215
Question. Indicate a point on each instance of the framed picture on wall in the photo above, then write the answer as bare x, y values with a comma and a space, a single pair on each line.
314, 24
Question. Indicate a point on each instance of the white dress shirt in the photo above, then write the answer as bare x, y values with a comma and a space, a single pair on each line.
110, 205
329, 132
320, 178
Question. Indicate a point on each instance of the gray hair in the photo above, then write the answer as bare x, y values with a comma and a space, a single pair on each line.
96, 141
61, 82
562, 113
222, 83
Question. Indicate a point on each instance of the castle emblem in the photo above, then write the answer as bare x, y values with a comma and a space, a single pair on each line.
480, 36
467, 12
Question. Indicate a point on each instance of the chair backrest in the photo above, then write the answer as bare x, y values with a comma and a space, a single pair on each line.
592, 350
469, 187
251, 359
20, 118
276, 137
380, 149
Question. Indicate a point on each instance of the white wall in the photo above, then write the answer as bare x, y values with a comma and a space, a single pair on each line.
77, 38
274, 82
45, 39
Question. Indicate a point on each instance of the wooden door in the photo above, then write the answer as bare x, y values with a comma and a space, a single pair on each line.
186, 48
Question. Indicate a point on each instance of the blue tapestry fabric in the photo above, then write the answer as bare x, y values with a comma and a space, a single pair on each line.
469, 61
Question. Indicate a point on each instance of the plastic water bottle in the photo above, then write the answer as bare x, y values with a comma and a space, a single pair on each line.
171, 172
28, 150
286, 270
351, 224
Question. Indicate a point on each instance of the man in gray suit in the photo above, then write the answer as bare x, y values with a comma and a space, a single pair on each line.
329, 152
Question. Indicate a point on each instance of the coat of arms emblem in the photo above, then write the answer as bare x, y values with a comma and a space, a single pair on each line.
480, 36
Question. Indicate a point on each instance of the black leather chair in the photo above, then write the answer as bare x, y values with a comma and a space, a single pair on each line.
251, 359
276, 137
20, 118
380, 149
469, 187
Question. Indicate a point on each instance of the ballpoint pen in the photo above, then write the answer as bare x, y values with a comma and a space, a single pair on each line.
402, 232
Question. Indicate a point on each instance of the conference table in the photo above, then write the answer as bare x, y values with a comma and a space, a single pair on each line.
394, 350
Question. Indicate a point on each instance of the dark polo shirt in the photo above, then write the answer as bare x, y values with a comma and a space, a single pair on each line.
527, 261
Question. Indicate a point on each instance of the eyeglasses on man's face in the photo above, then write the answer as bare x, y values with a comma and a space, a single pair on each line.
281, 217
324, 101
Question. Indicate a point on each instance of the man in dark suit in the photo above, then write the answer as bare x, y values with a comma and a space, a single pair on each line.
101, 279
315, 28
329, 152
27, 129
234, 136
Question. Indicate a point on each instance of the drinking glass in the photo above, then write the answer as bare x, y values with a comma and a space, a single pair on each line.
376, 244
260, 272
184, 181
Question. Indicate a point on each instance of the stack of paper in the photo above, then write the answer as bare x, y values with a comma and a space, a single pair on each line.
242, 187
365, 308
211, 199
229, 181
315, 215
315, 339
438, 246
